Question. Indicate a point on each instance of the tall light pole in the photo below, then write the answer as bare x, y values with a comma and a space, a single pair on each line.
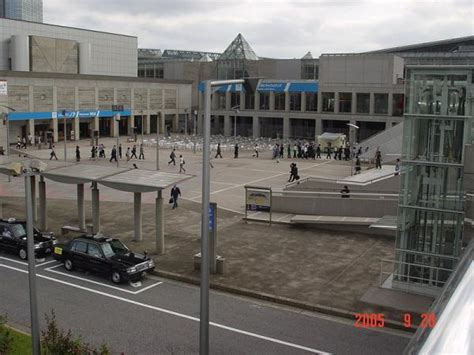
206, 187
158, 116
195, 129
142, 123
117, 119
186, 117
351, 143
236, 112
65, 135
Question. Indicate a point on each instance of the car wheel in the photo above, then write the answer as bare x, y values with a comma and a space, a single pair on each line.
116, 278
68, 264
22, 254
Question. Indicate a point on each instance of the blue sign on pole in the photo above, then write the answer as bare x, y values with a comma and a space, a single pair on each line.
211, 217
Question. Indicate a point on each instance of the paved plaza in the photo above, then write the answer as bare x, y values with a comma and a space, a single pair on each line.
310, 266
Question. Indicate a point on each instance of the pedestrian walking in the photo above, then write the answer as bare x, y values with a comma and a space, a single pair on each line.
172, 157
175, 193
236, 151
52, 154
378, 160
134, 152
120, 151
93, 152
30, 139
282, 149
318, 151
328, 152
113, 154
127, 154
255, 151
357, 166
397, 167
293, 173
18, 142
288, 151
141, 156
78, 154
181, 164
218, 153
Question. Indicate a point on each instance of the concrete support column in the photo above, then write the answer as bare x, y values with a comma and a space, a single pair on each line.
286, 127
336, 102
255, 127
272, 101
42, 204
81, 213
137, 208
114, 127
227, 126
131, 124
96, 123
287, 103
228, 105
320, 102
95, 208
54, 124
303, 102
354, 103
257, 101
33, 194
160, 224
147, 121
371, 103
390, 104
318, 128
176, 123
77, 132
31, 129
242, 100
214, 101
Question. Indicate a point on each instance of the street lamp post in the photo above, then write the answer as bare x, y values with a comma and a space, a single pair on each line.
117, 119
195, 129
204, 291
7, 125
236, 112
351, 144
142, 123
186, 117
65, 135
158, 141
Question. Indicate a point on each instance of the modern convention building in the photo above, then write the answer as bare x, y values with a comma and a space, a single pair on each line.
28, 10
302, 98
47, 69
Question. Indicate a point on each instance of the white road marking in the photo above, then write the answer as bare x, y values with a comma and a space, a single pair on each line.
258, 180
173, 313
47, 262
50, 269
25, 263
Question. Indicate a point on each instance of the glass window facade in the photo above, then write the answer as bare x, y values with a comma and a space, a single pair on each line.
309, 69
280, 101
328, 101
249, 101
363, 103
381, 104
345, 102
398, 103
295, 101
264, 101
311, 102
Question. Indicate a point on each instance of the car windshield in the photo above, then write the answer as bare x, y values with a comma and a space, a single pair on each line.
107, 249
118, 247
18, 230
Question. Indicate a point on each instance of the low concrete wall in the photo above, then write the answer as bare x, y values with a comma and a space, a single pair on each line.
332, 206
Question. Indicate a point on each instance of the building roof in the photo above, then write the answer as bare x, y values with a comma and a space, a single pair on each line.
239, 49
308, 56
446, 45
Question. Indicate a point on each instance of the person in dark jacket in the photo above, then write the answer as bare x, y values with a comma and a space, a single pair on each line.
175, 193
345, 192
318, 151
236, 151
78, 154
218, 153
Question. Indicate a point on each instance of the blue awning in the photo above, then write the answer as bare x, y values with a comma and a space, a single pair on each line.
19, 116
303, 87
274, 86
223, 88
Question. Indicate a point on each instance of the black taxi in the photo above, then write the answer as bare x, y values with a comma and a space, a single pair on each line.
102, 255
13, 239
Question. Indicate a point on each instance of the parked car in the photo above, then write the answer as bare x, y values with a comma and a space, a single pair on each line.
107, 256
13, 239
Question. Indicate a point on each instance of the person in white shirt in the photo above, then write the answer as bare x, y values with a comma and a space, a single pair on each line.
181, 164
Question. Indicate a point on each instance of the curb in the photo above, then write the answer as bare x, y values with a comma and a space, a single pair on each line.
277, 299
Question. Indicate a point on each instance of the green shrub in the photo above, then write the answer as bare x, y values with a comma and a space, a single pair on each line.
55, 341
6, 338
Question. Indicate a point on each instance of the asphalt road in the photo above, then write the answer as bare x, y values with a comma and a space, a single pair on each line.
160, 316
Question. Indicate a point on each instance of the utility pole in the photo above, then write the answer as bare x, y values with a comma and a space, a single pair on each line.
158, 116
65, 135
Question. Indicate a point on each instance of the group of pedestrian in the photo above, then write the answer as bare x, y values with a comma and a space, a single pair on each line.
293, 173
181, 161
23, 142
98, 152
